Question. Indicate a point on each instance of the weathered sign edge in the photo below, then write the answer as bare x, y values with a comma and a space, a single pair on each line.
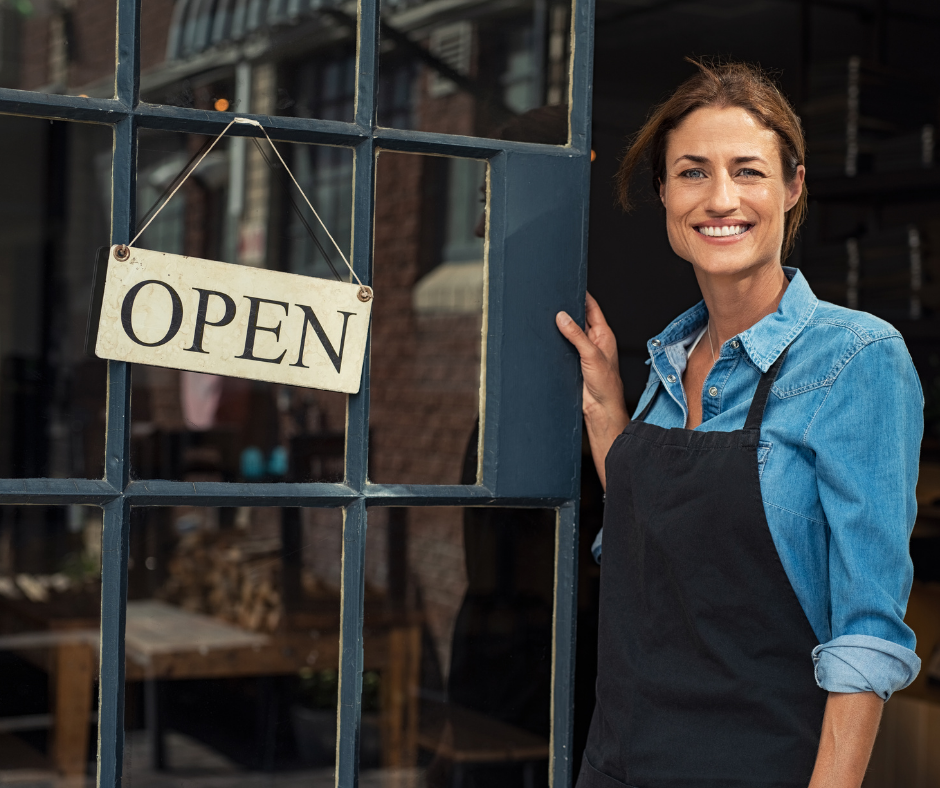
96, 301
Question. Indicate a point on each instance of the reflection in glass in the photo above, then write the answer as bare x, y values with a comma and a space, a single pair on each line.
426, 323
266, 58
470, 68
50, 607
233, 648
57, 47
239, 207
477, 585
54, 213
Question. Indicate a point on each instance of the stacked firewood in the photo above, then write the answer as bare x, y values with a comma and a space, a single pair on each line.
225, 575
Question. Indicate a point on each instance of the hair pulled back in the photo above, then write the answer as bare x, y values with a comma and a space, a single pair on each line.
721, 85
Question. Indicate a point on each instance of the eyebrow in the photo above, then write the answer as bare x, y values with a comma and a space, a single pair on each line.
705, 159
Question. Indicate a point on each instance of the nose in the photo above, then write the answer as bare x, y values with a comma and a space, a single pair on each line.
723, 195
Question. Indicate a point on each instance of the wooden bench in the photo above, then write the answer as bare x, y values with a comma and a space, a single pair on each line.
466, 737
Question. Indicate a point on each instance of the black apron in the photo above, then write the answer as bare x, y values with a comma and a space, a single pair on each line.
705, 674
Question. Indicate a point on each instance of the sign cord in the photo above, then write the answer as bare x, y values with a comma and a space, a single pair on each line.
297, 211
250, 122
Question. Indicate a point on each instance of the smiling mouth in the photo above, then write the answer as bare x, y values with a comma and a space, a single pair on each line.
721, 232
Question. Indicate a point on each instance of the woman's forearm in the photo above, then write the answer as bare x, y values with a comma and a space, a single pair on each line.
603, 425
850, 725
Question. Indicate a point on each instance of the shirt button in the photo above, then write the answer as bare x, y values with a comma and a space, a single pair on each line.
655, 343
735, 344
713, 391
671, 378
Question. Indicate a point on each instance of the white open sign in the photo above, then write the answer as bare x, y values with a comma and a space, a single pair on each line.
175, 311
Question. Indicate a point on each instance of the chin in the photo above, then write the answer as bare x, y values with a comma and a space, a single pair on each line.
718, 264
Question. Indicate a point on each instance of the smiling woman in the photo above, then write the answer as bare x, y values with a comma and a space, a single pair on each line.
764, 112
759, 503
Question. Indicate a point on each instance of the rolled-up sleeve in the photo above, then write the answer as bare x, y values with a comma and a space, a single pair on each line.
866, 437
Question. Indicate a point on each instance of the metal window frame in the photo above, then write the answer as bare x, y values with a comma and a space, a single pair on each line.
116, 494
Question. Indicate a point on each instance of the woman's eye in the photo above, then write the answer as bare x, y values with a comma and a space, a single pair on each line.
692, 174
749, 173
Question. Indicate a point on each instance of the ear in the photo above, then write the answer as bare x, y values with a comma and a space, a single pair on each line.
662, 191
795, 188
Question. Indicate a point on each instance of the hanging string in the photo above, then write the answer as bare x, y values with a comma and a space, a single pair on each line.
296, 208
172, 185
208, 150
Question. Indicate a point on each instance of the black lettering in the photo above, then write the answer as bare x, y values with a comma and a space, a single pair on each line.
201, 321
311, 319
253, 328
127, 311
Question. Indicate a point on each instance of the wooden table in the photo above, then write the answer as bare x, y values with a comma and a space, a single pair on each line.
164, 642
463, 737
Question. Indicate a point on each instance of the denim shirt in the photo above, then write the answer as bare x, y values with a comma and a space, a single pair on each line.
838, 462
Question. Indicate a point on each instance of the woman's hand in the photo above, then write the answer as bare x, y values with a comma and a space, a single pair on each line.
605, 413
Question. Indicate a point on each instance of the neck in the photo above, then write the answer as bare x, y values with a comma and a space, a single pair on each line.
738, 301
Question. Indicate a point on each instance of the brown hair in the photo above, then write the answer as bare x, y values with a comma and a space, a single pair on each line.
721, 85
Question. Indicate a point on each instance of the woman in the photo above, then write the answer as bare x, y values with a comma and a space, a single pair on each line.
755, 560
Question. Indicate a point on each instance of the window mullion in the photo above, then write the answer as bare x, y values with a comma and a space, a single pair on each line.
357, 416
367, 63
116, 523
582, 67
367, 59
122, 217
350, 645
563, 641
114, 542
127, 68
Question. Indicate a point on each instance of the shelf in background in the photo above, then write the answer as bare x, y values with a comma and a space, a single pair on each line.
913, 184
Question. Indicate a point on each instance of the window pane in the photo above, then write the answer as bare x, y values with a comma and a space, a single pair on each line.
232, 645
487, 71
476, 586
430, 275
54, 213
236, 208
50, 610
287, 57
56, 47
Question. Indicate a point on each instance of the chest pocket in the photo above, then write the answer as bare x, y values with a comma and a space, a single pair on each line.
763, 452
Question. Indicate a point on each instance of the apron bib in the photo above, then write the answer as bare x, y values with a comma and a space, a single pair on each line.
705, 677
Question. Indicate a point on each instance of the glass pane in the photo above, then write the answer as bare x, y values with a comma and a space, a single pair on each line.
50, 610
476, 588
239, 209
286, 57
492, 70
430, 229
54, 213
59, 47
232, 642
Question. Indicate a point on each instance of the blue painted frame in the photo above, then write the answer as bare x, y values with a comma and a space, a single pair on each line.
537, 264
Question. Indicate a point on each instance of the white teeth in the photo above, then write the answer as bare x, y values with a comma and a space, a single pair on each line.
717, 232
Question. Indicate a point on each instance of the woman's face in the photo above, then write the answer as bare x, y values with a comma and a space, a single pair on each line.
724, 192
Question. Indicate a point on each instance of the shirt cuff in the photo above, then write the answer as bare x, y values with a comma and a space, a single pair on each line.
862, 663
596, 546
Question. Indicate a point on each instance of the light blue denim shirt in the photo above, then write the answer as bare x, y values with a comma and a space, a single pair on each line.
838, 462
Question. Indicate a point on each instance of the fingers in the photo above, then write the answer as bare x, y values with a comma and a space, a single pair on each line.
573, 333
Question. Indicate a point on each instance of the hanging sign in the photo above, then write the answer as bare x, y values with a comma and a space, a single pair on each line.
170, 310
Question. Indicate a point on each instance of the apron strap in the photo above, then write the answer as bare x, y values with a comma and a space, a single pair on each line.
756, 414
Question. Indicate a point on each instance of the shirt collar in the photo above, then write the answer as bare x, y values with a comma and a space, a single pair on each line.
766, 339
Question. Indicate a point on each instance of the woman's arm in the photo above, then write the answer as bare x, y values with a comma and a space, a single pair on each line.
605, 412
848, 735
